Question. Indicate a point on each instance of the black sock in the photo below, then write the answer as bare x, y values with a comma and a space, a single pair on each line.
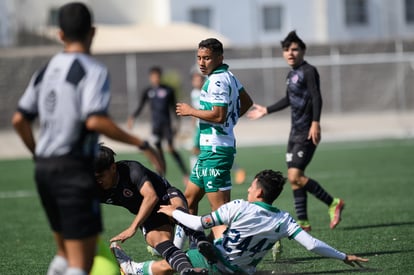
180, 162
300, 197
315, 189
174, 256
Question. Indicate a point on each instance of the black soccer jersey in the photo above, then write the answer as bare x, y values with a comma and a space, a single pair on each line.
304, 96
162, 102
131, 177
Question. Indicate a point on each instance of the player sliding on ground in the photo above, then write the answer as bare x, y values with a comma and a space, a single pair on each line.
253, 227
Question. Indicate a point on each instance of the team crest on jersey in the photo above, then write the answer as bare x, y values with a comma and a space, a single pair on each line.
295, 78
207, 221
127, 193
161, 93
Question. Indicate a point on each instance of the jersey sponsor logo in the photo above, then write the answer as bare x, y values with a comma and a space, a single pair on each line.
289, 157
300, 154
50, 102
217, 83
127, 193
207, 221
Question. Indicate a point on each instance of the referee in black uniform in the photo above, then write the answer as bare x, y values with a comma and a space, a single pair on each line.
70, 96
304, 97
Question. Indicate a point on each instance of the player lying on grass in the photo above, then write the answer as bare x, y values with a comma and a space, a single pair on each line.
131, 185
253, 227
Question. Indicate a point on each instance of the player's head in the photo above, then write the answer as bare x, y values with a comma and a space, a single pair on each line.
266, 186
209, 55
292, 37
105, 167
75, 22
293, 49
155, 74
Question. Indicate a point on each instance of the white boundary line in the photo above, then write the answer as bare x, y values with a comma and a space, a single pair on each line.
17, 194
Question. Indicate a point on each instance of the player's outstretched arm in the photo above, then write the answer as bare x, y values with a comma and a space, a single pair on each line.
257, 112
104, 125
353, 260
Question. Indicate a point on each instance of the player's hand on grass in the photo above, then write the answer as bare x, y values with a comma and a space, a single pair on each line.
257, 111
353, 260
124, 235
167, 209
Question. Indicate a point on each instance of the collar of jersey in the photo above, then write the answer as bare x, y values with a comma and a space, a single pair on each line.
266, 206
221, 69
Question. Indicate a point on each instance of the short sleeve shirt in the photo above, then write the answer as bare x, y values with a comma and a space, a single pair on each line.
63, 94
221, 88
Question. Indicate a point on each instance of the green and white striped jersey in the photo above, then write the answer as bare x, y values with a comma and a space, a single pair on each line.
221, 88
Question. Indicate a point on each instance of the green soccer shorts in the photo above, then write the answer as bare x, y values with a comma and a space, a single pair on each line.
212, 171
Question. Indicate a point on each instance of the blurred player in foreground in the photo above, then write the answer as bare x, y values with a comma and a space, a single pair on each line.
304, 97
253, 227
71, 96
131, 185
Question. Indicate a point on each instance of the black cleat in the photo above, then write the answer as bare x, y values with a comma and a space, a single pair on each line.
208, 251
194, 271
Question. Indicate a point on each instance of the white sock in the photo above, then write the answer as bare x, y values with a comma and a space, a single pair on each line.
179, 237
193, 160
134, 268
75, 271
57, 266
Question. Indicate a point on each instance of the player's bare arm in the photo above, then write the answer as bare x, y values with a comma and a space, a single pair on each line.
257, 112
315, 132
24, 129
216, 115
105, 126
148, 203
245, 102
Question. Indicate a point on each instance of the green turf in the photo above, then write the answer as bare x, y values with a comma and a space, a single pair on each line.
375, 178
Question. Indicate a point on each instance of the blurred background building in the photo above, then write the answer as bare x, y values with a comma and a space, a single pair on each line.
364, 49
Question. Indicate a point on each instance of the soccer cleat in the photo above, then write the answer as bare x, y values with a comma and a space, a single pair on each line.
304, 224
277, 250
194, 271
335, 210
126, 264
208, 251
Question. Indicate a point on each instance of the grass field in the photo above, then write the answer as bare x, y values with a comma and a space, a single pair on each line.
375, 178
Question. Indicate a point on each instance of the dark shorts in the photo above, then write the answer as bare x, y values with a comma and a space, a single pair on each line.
299, 154
155, 219
163, 132
68, 193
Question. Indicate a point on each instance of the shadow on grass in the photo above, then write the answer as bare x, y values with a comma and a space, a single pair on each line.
377, 225
353, 270
305, 259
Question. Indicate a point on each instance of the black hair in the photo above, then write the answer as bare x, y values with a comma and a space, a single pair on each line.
292, 37
75, 20
104, 159
156, 69
271, 183
213, 44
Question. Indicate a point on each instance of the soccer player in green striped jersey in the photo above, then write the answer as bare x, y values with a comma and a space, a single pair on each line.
222, 101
